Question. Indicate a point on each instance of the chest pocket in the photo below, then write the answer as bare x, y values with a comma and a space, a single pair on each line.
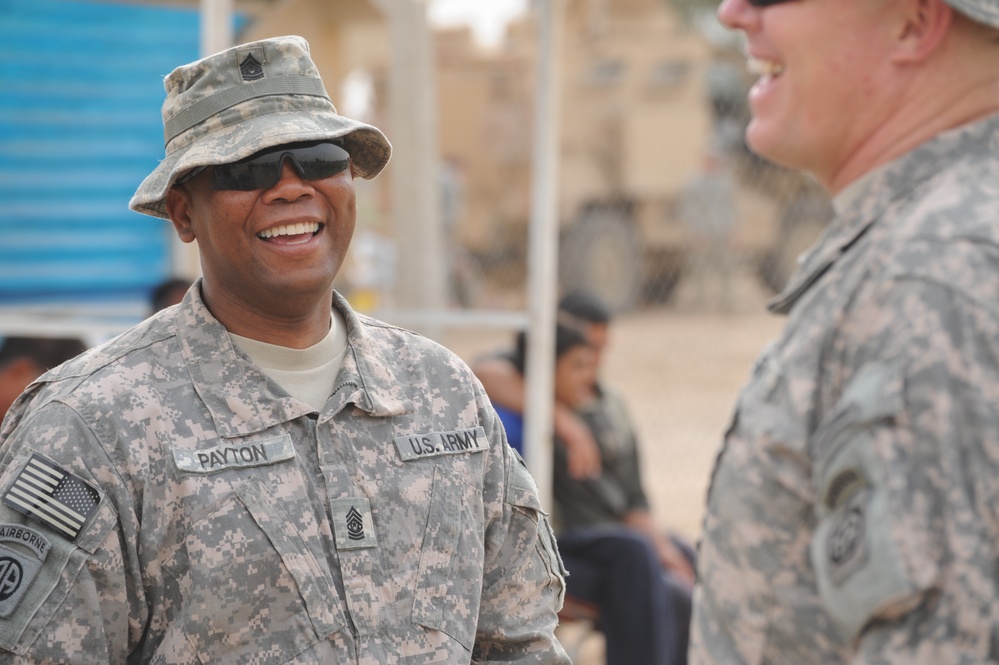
450, 576
252, 590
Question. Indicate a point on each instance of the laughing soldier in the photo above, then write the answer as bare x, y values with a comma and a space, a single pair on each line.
234, 480
853, 515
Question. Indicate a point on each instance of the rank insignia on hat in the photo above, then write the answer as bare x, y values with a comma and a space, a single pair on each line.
53, 496
250, 68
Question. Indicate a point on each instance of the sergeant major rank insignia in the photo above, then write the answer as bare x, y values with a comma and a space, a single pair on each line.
355, 524
250, 68
353, 527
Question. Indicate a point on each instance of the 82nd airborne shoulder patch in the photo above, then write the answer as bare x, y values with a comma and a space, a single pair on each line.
19, 564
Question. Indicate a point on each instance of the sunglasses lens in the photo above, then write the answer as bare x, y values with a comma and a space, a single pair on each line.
263, 170
321, 161
241, 177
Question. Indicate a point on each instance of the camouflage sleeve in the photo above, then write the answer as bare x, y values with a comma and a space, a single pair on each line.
69, 590
906, 543
523, 577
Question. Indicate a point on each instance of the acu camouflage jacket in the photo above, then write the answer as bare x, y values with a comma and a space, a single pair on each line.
165, 502
853, 514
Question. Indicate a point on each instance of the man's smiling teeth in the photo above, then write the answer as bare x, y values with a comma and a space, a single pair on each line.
290, 230
764, 67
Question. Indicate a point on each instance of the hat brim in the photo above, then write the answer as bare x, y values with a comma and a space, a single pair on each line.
369, 149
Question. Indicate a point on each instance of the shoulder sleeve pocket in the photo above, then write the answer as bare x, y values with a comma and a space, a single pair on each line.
862, 567
522, 494
40, 565
521, 490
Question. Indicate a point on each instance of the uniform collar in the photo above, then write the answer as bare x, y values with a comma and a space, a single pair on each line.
242, 400
370, 378
863, 202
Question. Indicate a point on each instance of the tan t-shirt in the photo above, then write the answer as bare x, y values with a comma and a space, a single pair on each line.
308, 374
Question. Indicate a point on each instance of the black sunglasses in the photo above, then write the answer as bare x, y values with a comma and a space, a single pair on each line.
262, 170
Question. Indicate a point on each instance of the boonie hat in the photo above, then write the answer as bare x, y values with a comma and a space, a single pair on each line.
235, 103
983, 11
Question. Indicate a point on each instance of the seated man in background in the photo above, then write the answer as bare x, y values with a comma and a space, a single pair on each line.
606, 533
24, 359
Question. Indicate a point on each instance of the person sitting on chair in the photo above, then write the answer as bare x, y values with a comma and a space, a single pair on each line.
603, 527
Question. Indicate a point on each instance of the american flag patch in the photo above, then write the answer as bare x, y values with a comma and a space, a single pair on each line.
48, 494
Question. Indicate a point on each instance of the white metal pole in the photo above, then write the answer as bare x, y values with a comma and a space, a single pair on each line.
216, 26
414, 166
543, 252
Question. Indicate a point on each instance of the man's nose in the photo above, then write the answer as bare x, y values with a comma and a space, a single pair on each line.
734, 14
291, 185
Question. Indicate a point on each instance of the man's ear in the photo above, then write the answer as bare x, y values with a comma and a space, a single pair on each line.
925, 24
178, 205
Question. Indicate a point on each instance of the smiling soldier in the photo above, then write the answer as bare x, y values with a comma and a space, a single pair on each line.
852, 515
233, 480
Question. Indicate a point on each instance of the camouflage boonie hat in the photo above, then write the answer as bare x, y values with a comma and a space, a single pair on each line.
983, 11
230, 105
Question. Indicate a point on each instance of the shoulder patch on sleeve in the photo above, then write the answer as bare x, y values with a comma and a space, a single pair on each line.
19, 564
51, 522
862, 571
52, 496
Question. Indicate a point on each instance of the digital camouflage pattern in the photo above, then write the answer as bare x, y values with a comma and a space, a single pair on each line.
852, 514
236, 525
235, 103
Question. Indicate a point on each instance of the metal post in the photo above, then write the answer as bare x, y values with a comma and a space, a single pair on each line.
414, 167
543, 252
216, 26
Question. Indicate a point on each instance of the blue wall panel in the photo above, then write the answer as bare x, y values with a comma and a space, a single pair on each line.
81, 84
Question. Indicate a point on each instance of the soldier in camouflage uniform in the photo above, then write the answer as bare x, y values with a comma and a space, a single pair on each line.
853, 514
252, 476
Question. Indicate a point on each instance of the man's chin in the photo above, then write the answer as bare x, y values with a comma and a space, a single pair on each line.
770, 143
